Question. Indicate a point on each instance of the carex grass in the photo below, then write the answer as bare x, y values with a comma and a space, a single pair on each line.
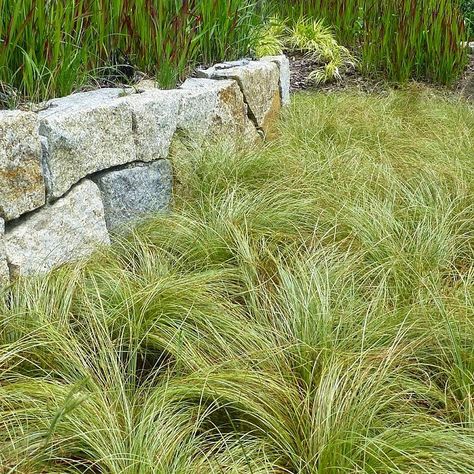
49, 48
307, 308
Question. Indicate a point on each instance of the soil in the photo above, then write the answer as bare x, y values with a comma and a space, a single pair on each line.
466, 85
351, 79
301, 67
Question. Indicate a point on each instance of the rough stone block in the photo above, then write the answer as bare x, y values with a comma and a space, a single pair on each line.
86, 132
4, 271
211, 109
259, 82
132, 193
146, 85
155, 114
284, 66
22, 187
67, 230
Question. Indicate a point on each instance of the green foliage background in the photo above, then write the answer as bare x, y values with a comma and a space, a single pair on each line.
403, 39
468, 11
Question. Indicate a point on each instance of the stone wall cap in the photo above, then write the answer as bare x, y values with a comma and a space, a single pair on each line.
232, 67
205, 83
74, 103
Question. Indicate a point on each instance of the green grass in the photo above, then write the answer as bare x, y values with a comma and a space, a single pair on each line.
412, 39
467, 7
307, 308
309, 37
402, 39
345, 16
49, 48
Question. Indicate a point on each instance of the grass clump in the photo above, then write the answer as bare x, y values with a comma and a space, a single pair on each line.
310, 38
410, 39
307, 308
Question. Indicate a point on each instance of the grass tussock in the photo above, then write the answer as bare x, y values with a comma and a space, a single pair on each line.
309, 37
308, 308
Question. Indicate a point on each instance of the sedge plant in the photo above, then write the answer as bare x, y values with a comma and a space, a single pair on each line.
306, 308
309, 37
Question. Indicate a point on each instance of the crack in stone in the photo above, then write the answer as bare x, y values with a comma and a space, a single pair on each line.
250, 113
48, 181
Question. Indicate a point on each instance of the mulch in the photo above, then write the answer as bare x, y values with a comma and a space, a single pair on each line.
352, 79
466, 85
301, 66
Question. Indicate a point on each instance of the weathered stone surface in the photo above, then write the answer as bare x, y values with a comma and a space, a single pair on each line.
86, 132
259, 82
146, 84
212, 109
284, 66
4, 272
132, 193
155, 114
68, 230
231, 64
115, 136
22, 186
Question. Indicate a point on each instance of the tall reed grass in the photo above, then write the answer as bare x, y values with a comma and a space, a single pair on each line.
415, 39
344, 16
49, 47
307, 308
467, 7
404, 39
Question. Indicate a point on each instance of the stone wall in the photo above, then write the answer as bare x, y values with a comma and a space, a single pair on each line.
90, 164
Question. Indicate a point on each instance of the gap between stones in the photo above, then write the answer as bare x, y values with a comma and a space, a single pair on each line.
11, 224
250, 114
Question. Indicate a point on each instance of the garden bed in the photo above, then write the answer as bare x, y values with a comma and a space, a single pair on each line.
307, 308
352, 79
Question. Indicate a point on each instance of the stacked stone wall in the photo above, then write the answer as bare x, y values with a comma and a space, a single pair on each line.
91, 164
